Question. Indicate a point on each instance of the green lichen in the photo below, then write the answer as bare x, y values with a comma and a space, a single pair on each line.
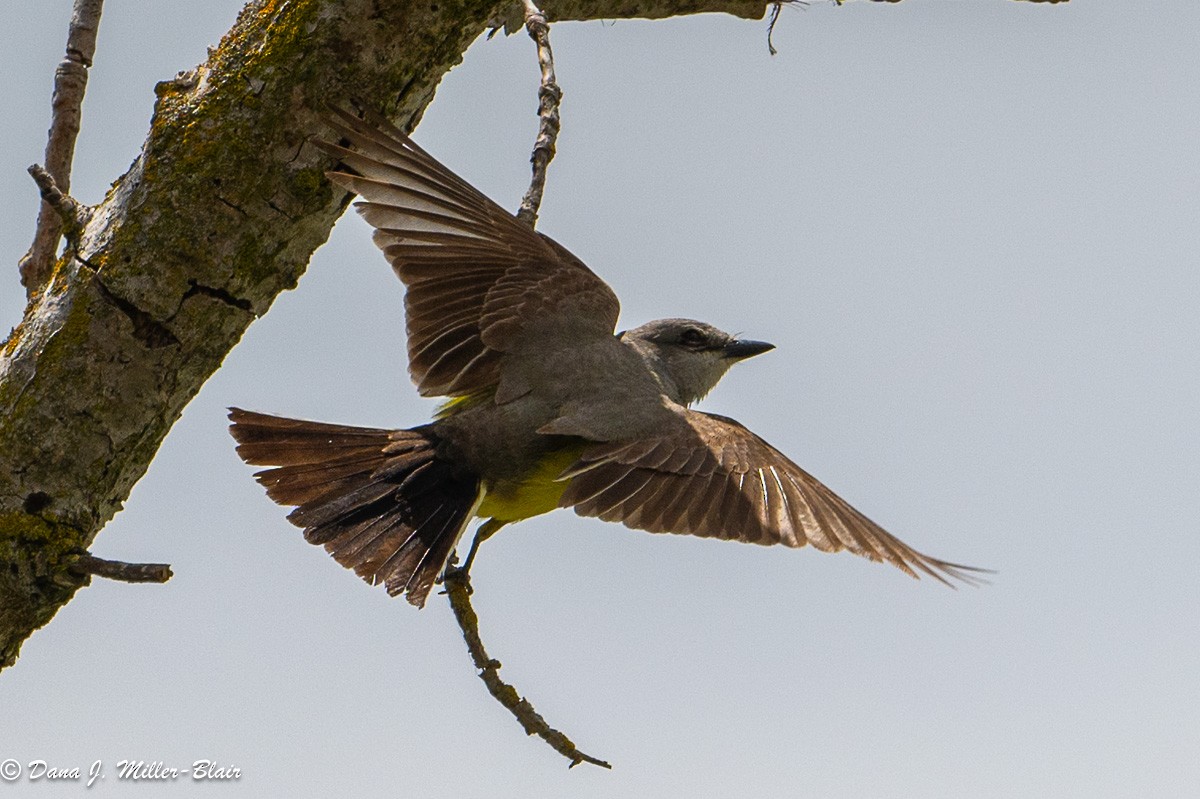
10, 343
35, 577
13, 397
311, 186
55, 542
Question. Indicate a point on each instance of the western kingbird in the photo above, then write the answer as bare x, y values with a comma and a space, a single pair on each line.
548, 408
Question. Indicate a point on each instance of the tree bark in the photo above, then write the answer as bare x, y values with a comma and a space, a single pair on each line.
218, 214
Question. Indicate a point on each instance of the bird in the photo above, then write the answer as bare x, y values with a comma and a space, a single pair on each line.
547, 405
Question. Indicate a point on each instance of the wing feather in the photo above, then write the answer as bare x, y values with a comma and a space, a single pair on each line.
477, 278
709, 476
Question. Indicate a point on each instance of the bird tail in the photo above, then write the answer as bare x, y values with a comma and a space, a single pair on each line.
380, 501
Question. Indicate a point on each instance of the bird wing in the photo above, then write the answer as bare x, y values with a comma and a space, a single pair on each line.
709, 476
478, 278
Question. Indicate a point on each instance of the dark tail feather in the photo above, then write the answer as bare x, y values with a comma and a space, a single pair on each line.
380, 501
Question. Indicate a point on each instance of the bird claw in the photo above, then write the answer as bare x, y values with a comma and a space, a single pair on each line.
458, 574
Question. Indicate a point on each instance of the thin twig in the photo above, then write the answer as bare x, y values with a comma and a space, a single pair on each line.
549, 98
72, 215
777, 9
119, 570
458, 588
70, 81
458, 583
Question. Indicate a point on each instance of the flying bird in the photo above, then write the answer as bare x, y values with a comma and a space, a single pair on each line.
548, 407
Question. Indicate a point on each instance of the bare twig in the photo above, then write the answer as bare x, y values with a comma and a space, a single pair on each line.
775, 9
458, 583
70, 81
549, 97
458, 588
119, 570
71, 215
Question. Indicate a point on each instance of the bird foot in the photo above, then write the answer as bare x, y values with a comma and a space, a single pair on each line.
459, 574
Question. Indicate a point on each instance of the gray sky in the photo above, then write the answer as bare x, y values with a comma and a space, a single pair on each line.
971, 229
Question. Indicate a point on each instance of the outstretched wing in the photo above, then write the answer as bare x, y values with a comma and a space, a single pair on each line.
478, 278
710, 476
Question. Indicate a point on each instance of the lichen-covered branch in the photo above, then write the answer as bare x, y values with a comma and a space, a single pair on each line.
458, 587
70, 82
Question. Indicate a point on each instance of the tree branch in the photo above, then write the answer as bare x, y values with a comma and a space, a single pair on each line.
549, 97
124, 572
70, 82
72, 216
458, 587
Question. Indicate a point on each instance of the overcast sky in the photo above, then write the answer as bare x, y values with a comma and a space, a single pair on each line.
971, 229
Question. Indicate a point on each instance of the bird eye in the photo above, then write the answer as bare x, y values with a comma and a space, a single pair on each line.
692, 338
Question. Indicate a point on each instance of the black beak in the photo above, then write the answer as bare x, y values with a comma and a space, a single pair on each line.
740, 350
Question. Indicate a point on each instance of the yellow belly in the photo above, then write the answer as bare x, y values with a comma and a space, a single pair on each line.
532, 495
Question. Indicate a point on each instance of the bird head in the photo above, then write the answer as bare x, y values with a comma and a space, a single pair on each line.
689, 357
